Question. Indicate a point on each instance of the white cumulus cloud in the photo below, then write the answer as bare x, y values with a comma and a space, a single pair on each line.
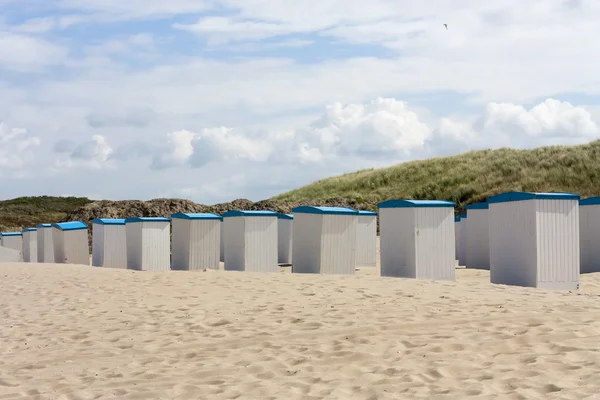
91, 154
16, 150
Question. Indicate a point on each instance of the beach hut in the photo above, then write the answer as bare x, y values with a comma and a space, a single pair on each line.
250, 241
109, 243
285, 224
148, 243
222, 245
534, 239
45, 244
366, 239
196, 241
478, 237
462, 241
417, 239
589, 234
12, 240
10, 255
30, 245
457, 227
324, 240
71, 243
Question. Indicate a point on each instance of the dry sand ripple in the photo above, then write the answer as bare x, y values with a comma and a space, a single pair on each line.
75, 332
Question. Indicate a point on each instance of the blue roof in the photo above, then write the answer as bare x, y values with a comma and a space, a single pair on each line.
108, 221
285, 216
246, 213
44, 225
463, 215
415, 203
520, 196
29, 229
590, 201
363, 212
195, 216
325, 210
478, 206
147, 219
70, 226
457, 219
11, 234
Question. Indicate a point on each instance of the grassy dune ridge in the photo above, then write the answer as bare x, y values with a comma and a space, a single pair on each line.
467, 178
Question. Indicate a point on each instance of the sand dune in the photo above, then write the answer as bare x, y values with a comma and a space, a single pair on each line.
76, 332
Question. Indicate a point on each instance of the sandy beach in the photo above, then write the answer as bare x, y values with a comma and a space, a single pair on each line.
77, 332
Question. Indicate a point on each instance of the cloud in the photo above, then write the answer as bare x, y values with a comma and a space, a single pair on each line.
550, 122
382, 131
135, 118
25, 53
91, 154
16, 151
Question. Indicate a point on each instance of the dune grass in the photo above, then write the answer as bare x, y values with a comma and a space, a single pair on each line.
30, 211
469, 177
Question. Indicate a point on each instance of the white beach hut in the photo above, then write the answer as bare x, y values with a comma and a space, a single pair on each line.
71, 243
196, 241
12, 240
534, 240
148, 243
30, 245
478, 237
285, 225
589, 234
417, 239
457, 227
462, 241
324, 240
250, 241
366, 239
109, 243
10, 255
222, 245
45, 244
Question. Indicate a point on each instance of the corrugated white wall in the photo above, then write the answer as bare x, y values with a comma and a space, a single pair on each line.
434, 243
462, 242
45, 245
10, 255
478, 239
235, 243
589, 237
13, 242
261, 244
222, 255
284, 240
457, 239
30, 246
112, 244
97, 244
338, 244
148, 245
397, 242
59, 246
156, 246
196, 244
418, 242
535, 243
306, 248
133, 230
73, 246
558, 255
513, 241
366, 241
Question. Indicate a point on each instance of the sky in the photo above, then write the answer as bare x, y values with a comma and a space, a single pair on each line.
216, 100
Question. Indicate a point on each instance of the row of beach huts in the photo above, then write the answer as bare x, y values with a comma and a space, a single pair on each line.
528, 239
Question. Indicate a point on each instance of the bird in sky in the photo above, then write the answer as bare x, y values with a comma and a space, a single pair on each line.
446, 25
